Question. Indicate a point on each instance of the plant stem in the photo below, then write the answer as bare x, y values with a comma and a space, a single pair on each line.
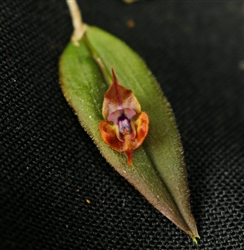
79, 26
99, 61
79, 33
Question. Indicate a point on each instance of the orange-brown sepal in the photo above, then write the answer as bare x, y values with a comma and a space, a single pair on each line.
118, 97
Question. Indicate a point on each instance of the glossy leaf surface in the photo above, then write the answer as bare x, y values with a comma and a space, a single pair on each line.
158, 170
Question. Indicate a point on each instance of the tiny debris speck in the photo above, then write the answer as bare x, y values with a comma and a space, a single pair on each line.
130, 24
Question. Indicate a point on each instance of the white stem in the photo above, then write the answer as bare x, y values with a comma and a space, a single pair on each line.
79, 26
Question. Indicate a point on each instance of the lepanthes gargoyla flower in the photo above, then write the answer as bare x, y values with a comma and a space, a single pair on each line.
125, 126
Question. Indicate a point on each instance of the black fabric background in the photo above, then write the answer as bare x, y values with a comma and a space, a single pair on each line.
50, 166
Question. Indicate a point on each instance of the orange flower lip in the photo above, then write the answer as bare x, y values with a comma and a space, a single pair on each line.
125, 126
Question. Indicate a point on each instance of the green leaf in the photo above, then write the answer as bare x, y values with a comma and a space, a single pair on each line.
158, 170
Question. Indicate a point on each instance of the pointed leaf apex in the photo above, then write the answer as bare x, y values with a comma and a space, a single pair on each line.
195, 240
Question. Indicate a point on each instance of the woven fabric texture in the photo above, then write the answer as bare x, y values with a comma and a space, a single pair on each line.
56, 190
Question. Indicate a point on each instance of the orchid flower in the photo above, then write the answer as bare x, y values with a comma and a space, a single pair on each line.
125, 126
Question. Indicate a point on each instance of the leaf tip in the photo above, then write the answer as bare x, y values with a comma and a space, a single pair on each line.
194, 238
